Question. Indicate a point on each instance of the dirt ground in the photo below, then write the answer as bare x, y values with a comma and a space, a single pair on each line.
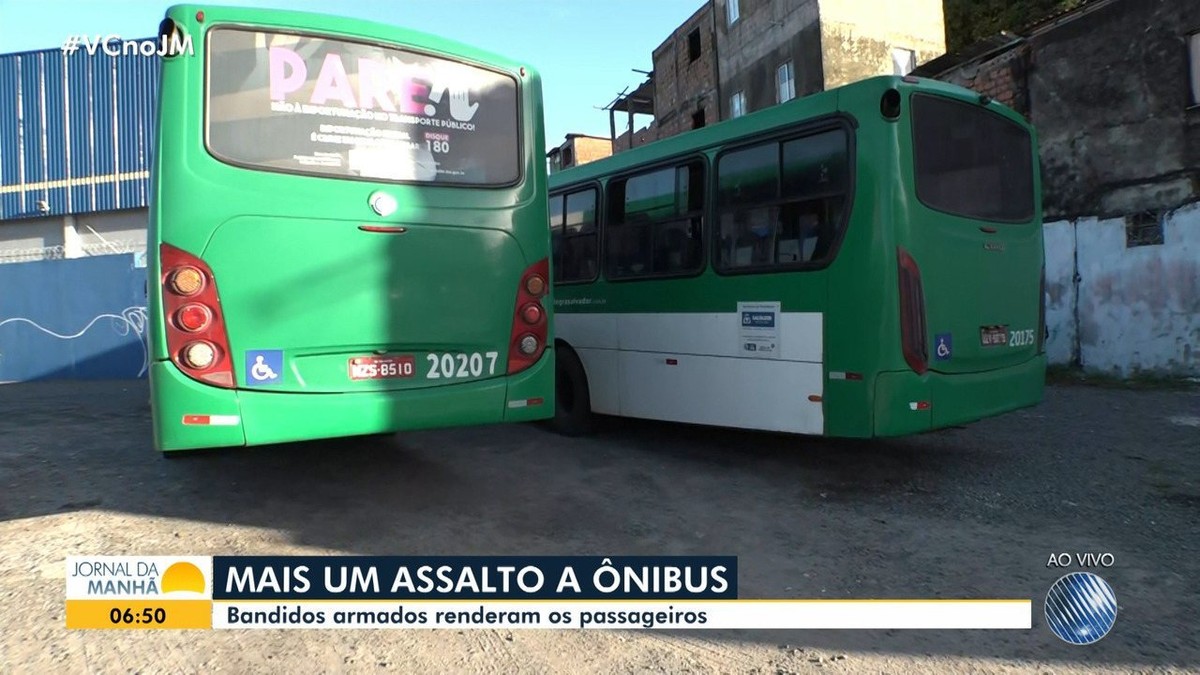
964, 513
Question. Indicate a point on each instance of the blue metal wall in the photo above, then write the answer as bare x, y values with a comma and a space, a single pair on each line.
76, 131
83, 318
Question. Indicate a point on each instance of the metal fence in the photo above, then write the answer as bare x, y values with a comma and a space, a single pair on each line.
107, 247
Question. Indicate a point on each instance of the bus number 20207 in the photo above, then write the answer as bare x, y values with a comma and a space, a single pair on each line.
461, 365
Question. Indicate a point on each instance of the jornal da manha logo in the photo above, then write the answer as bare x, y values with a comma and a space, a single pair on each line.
138, 577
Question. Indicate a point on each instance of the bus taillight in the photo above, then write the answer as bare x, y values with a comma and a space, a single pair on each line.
913, 336
196, 336
193, 317
529, 325
1042, 330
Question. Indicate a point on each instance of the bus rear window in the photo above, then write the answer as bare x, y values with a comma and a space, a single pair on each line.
313, 105
971, 162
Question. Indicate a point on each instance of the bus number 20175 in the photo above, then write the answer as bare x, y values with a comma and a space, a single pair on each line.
461, 365
1021, 338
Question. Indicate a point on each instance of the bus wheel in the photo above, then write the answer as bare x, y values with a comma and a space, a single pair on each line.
572, 402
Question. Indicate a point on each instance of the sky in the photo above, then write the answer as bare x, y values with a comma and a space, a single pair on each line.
585, 50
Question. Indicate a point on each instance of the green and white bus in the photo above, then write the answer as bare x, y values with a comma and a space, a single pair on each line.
347, 233
863, 262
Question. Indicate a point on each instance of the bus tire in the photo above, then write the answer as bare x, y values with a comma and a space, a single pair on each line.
572, 401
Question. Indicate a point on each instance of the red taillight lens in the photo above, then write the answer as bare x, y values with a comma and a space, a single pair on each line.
531, 313
530, 328
1041, 340
196, 335
193, 317
913, 335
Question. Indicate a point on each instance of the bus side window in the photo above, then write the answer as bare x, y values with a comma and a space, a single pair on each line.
556, 235
781, 203
577, 248
654, 223
815, 181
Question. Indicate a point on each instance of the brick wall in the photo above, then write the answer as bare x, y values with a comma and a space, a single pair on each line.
684, 85
1003, 78
591, 149
647, 134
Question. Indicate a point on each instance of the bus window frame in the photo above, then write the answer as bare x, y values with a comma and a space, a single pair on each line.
1034, 207
519, 131
705, 214
564, 192
831, 122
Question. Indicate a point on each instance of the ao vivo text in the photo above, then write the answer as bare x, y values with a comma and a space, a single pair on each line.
1081, 560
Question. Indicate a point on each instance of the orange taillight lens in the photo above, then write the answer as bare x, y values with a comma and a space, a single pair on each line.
187, 281
535, 285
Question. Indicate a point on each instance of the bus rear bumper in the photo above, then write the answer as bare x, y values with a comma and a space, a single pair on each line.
189, 415
907, 403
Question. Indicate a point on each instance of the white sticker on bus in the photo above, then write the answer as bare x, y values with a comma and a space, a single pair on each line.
759, 334
455, 366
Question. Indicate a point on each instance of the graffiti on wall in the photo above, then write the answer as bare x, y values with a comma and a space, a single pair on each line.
131, 321
82, 318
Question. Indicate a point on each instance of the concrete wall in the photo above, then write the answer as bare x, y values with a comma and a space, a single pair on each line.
768, 34
1125, 311
1109, 97
77, 236
857, 36
73, 319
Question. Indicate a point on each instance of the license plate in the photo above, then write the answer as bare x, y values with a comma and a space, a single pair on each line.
993, 336
382, 367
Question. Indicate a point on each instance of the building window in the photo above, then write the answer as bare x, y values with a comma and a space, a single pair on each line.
567, 159
737, 104
1194, 52
694, 45
732, 11
653, 223
785, 82
904, 61
573, 236
1144, 229
698, 119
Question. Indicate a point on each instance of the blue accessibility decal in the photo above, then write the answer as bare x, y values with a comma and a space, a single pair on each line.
264, 366
943, 346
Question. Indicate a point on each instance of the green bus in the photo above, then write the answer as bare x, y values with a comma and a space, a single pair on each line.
863, 262
347, 232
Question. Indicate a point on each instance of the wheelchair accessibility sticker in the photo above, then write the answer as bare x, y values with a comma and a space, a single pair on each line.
264, 366
943, 346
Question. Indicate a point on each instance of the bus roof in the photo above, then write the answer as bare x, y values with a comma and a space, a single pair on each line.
777, 116
353, 28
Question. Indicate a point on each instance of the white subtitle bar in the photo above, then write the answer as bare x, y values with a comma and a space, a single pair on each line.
614, 614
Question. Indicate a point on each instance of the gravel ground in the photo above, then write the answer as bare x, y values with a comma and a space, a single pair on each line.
972, 512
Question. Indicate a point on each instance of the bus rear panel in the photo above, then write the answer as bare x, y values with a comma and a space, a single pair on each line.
349, 223
968, 267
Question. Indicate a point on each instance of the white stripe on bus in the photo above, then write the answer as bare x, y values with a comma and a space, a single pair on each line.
635, 367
